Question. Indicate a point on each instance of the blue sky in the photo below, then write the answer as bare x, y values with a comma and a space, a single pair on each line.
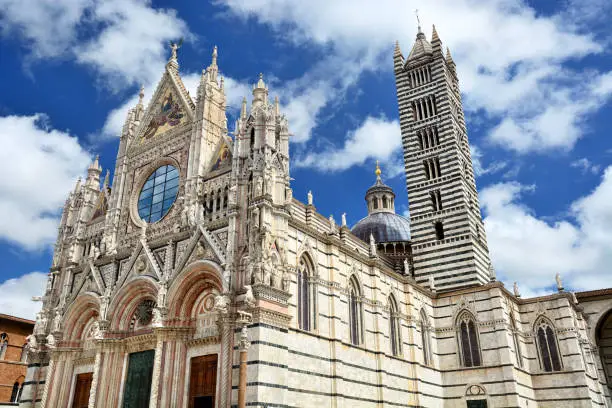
536, 78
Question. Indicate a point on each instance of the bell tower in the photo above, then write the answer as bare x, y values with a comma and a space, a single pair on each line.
447, 232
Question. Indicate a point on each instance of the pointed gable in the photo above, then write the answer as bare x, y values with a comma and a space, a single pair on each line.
170, 106
222, 159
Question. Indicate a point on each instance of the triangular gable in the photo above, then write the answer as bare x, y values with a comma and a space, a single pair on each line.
222, 159
101, 206
169, 107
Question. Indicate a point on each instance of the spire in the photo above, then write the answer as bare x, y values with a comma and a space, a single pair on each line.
141, 94
77, 187
95, 165
421, 48
397, 51
398, 58
212, 69
243, 109
222, 85
449, 57
106, 180
260, 92
434, 34
277, 106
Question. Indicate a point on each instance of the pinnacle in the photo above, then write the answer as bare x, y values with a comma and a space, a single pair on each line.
434, 34
397, 50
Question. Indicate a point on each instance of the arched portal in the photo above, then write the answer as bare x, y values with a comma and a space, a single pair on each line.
603, 337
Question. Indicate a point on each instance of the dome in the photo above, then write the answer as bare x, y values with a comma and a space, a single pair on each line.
384, 226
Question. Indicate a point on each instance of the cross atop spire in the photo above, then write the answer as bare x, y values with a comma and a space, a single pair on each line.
416, 12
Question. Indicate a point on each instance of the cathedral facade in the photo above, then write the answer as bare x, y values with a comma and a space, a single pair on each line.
196, 279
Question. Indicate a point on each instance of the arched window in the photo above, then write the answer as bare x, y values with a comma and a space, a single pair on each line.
394, 327
548, 350
424, 326
24, 354
355, 313
252, 138
306, 294
3, 345
468, 340
517, 343
15, 392
375, 203
384, 201
439, 230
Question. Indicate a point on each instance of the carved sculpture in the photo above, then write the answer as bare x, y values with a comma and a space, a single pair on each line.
249, 298
222, 303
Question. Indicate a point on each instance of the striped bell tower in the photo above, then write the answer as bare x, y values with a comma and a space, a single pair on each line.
448, 237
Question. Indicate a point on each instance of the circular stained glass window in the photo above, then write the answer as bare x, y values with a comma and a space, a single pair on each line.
158, 194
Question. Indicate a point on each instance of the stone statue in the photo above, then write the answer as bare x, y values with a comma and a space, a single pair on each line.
344, 219
372, 245
256, 274
309, 197
222, 303
174, 47
51, 341
258, 186
32, 343
105, 301
559, 282
516, 290
56, 326
249, 298
244, 338
268, 185
184, 211
332, 224
41, 323
255, 217
227, 276
162, 293
406, 266
491, 272
95, 332
432, 283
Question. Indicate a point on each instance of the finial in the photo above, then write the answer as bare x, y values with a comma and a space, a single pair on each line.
141, 94
261, 83
106, 179
434, 34
378, 172
243, 109
222, 85
277, 105
559, 282
174, 46
416, 12
214, 56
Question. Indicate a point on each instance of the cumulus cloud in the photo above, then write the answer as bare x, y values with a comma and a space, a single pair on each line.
509, 59
530, 250
41, 164
480, 169
125, 42
16, 294
376, 138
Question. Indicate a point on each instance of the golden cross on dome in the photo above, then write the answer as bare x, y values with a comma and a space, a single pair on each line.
378, 171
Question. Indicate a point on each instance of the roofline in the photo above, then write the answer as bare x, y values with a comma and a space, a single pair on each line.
593, 293
17, 319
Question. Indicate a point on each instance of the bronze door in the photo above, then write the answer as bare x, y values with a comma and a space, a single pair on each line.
138, 380
81, 390
203, 381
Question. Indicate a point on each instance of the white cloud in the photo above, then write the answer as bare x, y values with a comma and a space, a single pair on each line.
529, 250
376, 138
477, 162
586, 166
41, 165
125, 42
16, 295
49, 27
509, 59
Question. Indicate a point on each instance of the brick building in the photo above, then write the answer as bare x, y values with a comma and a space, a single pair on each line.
13, 357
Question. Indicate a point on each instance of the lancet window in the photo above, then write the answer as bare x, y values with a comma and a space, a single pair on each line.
517, 342
424, 108
306, 294
436, 200
425, 340
548, 349
428, 137
469, 347
355, 312
394, 327
432, 168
